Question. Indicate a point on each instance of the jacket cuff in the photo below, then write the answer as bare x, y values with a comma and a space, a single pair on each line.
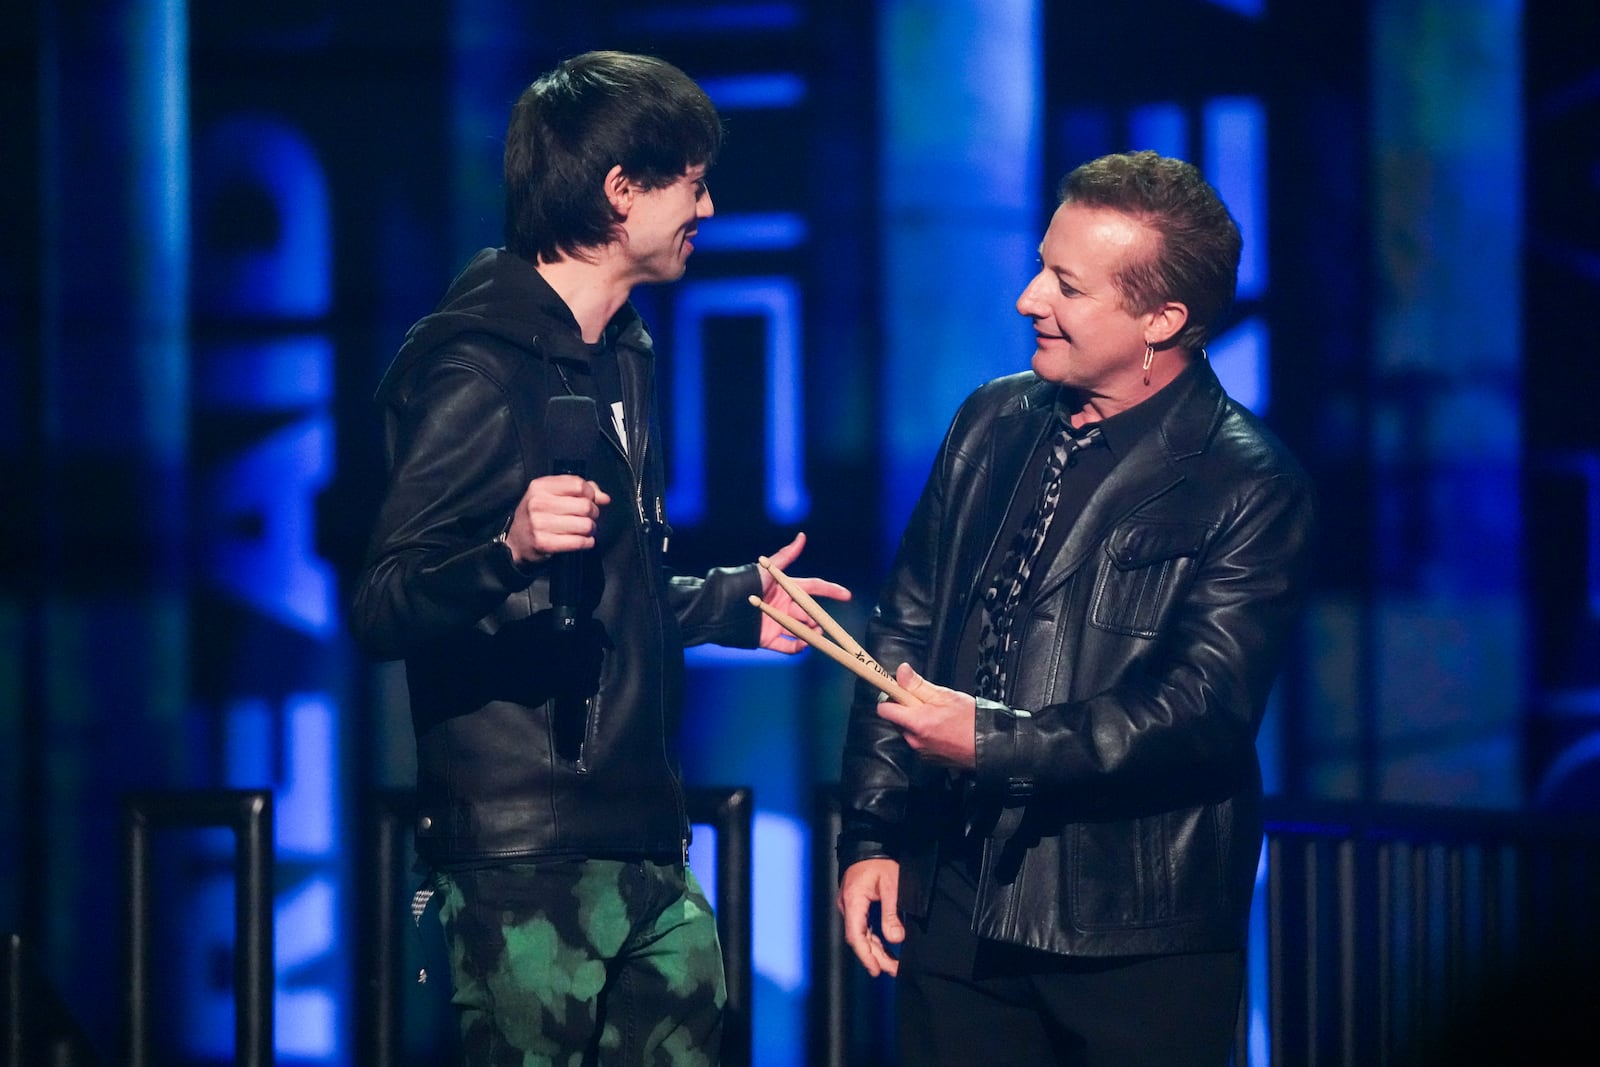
733, 587
527, 570
516, 576
851, 848
748, 584
715, 610
1001, 746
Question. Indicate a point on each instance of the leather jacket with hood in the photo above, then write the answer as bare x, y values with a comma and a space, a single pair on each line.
1118, 798
531, 741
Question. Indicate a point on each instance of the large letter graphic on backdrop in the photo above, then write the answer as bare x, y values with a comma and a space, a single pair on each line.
264, 285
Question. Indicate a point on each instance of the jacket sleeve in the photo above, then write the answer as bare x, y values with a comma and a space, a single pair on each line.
455, 474
715, 610
1180, 710
878, 766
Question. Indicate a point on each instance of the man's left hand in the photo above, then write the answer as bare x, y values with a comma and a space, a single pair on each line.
943, 728
774, 636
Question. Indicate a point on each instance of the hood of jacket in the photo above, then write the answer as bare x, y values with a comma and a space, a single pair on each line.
501, 295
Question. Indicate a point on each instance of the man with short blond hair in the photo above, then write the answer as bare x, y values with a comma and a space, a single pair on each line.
1090, 603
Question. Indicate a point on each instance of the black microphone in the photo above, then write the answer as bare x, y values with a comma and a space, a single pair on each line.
573, 431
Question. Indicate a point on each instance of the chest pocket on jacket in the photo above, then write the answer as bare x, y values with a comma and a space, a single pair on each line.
1145, 565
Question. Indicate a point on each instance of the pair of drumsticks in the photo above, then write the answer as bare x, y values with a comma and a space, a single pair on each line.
846, 652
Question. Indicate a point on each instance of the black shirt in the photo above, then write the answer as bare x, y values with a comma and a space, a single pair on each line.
1091, 467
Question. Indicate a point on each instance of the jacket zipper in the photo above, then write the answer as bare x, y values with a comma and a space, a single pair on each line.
639, 426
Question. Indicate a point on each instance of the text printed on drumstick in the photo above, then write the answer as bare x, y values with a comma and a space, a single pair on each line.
861, 664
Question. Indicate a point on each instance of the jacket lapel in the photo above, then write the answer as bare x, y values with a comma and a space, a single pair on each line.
1011, 445
1147, 470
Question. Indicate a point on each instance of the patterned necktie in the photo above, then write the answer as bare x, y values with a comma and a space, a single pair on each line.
1001, 599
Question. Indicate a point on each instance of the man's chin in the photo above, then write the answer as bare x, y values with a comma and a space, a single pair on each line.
1049, 367
668, 274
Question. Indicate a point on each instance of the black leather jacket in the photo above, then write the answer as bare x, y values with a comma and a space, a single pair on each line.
530, 741
1120, 796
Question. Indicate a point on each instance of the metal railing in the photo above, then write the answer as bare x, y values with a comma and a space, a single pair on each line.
248, 813
1384, 925
728, 811
37, 1030
1387, 924
380, 890
16, 1002
831, 1021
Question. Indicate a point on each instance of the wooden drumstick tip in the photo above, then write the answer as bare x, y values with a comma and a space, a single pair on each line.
818, 613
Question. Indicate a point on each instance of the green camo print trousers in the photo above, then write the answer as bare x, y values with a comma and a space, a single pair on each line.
583, 963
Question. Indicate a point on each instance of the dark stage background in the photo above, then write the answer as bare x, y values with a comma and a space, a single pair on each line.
219, 220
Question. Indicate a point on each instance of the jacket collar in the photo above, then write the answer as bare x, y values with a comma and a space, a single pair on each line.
1017, 434
1148, 468
502, 295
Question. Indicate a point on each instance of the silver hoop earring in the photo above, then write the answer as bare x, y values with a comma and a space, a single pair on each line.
1149, 357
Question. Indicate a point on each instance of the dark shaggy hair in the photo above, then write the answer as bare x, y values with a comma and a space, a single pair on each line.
1197, 263
593, 112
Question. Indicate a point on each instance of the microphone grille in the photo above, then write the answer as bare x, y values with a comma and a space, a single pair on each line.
571, 426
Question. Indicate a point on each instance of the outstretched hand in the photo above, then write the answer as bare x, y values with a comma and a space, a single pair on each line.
774, 636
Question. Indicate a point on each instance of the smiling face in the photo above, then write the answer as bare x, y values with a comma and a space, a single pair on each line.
660, 222
1085, 336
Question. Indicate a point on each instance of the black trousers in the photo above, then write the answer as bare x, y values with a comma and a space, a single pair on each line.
960, 1000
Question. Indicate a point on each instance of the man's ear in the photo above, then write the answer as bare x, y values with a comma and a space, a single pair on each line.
1165, 322
619, 190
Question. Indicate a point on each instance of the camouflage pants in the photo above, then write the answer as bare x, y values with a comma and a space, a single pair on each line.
583, 963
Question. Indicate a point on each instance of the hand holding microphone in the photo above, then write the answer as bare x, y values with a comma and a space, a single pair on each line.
557, 514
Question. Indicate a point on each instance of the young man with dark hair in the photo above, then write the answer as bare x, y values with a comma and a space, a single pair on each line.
518, 565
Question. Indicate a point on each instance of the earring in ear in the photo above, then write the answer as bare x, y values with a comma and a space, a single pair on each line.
1149, 356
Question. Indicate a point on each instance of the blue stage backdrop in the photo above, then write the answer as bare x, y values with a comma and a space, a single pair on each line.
221, 219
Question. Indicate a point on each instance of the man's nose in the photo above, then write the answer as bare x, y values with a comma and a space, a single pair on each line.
1027, 301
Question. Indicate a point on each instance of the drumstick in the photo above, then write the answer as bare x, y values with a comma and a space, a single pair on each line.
815, 610
868, 670
820, 614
